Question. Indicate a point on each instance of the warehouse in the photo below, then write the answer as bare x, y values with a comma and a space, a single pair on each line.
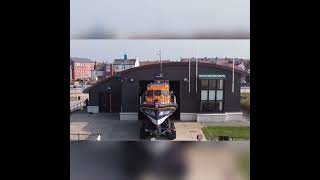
205, 92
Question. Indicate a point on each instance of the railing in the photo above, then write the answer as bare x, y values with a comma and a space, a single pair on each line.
77, 107
78, 136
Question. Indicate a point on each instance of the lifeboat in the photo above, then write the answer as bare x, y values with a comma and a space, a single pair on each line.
159, 103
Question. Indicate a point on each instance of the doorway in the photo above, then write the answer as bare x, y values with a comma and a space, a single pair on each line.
104, 102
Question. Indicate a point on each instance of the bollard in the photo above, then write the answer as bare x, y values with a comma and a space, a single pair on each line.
199, 137
78, 137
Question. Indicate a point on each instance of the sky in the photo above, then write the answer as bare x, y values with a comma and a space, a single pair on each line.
107, 50
123, 18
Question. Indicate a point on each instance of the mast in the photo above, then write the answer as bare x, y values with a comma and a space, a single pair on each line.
159, 53
197, 71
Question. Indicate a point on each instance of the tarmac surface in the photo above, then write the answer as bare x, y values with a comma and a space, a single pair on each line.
110, 128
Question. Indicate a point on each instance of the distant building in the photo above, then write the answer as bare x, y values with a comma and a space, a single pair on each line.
110, 71
102, 71
202, 60
70, 72
81, 68
125, 63
99, 72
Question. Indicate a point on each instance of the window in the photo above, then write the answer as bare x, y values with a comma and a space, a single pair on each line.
204, 95
165, 93
157, 92
212, 84
149, 93
204, 84
212, 98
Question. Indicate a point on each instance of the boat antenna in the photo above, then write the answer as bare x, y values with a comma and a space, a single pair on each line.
159, 53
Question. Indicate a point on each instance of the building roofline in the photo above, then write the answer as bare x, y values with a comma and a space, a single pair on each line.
179, 64
87, 90
125, 72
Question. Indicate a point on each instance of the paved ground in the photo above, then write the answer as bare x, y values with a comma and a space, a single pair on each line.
112, 129
188, 131
106, 124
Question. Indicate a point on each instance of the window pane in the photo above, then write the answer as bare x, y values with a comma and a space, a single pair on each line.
149, 93
157, 92
204, 95
212, 84
212, 95
220, 84
219, 94
204, 84
165, 93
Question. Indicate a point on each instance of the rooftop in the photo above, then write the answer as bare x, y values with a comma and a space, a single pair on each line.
77, 59
124, 61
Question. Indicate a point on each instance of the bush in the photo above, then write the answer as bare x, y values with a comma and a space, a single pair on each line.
245, 101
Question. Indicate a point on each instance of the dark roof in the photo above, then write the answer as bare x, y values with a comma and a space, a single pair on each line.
100, 68
124, 61
143, 63
76, 59
119, 74
182, 63
101, 82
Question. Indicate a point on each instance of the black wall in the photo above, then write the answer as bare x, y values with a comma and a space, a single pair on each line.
95, 92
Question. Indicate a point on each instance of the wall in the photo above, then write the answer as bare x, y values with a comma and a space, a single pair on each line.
83, 70
94, 74
115, 84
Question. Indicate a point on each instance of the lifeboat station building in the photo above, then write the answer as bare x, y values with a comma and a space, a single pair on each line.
204, 92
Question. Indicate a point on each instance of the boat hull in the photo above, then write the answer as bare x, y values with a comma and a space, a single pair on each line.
158, 113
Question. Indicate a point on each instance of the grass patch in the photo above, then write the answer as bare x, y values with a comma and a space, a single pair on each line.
245, 101
238, 133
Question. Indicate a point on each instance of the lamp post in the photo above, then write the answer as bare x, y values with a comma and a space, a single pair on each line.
109, 89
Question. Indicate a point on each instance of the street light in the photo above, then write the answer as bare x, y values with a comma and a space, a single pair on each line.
109, 90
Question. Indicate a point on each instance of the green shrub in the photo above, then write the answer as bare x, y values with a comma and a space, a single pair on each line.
245, 101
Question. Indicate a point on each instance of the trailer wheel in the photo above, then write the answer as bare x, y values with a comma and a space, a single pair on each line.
171, 135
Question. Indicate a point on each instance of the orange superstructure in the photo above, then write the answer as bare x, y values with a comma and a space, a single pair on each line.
158, 92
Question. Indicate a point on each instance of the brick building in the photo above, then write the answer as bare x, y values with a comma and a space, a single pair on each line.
81, 68
102, 71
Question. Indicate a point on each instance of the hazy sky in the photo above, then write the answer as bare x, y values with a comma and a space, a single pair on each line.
107, 50
127, 17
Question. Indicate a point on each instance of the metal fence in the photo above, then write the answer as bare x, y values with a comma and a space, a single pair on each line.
85, 137
77, 107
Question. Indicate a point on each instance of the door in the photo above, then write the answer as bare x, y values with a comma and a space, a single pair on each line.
104, 102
